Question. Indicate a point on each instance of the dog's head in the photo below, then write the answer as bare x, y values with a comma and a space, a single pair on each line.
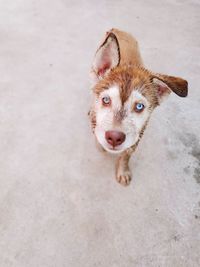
125, 96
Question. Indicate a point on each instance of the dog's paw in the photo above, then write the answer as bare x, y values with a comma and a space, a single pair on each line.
124, 178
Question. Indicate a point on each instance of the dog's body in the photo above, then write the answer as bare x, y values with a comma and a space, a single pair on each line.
125, 94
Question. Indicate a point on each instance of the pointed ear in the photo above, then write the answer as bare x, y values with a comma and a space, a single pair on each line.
106, 57
166, 84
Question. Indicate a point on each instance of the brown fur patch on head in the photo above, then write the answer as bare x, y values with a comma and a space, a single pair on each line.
129, 78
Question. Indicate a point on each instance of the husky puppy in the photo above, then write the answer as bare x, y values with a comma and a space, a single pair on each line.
124, 96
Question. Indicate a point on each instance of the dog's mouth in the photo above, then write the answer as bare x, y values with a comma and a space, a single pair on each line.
114, 143
114, 150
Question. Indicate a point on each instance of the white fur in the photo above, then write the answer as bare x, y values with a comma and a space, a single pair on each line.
131, 125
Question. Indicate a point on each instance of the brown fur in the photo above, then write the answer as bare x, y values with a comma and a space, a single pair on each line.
178, 85
128, 46
129, 74
129, 78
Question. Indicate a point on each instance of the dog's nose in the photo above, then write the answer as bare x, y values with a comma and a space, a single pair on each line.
115, 138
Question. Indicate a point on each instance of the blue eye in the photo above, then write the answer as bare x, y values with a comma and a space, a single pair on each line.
139, 107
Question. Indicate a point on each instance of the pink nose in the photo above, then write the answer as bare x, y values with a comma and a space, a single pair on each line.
115, 138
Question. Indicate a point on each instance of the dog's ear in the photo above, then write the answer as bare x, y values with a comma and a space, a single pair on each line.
107, 56
166, 84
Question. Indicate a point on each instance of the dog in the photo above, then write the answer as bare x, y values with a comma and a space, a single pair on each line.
125, 94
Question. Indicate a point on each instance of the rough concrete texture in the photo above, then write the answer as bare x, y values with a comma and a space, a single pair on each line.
60, 205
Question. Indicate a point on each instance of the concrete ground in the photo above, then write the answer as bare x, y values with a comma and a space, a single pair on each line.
60, 205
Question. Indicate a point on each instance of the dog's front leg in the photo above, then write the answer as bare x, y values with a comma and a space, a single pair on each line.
123, 174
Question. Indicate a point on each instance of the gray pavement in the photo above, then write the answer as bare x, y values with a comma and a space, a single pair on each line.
60, 205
